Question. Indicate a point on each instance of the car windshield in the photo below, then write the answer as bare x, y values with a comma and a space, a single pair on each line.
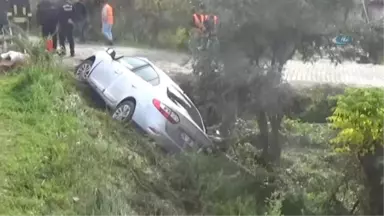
188, 105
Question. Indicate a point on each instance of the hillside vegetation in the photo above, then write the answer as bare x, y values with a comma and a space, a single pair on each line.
61, 155
57, 154
284, 151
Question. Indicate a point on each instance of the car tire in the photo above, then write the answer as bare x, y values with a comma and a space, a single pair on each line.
82, 71
124, 111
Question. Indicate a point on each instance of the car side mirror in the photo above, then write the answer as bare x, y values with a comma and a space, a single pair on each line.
112, 53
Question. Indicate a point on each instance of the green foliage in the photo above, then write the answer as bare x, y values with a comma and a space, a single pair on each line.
359, 118
307, 135
174, 40
215, 185
317, 103
275, 204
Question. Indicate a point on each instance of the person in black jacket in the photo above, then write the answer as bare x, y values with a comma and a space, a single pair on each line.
46, 15
81, 21
66, 23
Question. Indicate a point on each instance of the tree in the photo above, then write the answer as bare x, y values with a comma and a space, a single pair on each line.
359, 118
257, 39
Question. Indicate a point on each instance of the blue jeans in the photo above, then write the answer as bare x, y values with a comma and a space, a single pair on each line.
107, 31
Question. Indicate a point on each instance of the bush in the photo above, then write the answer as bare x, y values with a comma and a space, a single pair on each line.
309, 135
175, 40
317, 103
358, 116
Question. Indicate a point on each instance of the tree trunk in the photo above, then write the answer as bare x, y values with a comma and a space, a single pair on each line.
274, 142
262, 122
373, 171
229, 116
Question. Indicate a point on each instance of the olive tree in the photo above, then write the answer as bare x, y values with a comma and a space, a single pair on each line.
257, 38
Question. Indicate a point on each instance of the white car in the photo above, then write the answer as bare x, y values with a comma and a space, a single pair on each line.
135, 89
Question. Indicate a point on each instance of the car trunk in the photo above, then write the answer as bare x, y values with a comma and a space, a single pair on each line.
183, 102
186, 134
190, 126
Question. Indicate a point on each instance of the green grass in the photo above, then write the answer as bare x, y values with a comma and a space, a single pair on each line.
57, 155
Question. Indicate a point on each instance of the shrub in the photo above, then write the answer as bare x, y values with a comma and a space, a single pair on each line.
175, 40
317, 103
306, 134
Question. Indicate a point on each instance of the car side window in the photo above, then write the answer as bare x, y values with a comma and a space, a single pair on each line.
148, 74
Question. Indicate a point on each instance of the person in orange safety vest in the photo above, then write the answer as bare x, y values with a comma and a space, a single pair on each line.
204, 25
107, 21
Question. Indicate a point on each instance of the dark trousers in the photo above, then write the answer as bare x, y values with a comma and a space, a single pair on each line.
66, 33
49, 29
81, 27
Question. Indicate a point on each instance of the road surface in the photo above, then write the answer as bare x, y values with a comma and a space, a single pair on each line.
295, 72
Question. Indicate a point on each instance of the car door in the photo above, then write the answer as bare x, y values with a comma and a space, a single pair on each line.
104, 74
123, 86
132, 83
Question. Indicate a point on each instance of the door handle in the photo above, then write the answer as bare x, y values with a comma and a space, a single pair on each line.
117, 72
133, 86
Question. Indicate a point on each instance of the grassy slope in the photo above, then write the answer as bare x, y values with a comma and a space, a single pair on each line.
57, 156
60, 156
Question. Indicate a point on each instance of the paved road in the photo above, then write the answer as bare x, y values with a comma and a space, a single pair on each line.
348, 73
296, 72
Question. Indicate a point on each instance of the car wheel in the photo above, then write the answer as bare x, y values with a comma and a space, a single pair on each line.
124, 111
83, 70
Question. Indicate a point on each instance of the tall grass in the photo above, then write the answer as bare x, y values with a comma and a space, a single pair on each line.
57, 155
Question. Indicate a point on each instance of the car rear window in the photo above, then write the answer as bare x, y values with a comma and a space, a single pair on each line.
187, 104
148, 74
132, 62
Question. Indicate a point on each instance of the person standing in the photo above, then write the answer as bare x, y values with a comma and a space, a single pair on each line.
46, 15
81, 22
66, 23
198, 27
107, 21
